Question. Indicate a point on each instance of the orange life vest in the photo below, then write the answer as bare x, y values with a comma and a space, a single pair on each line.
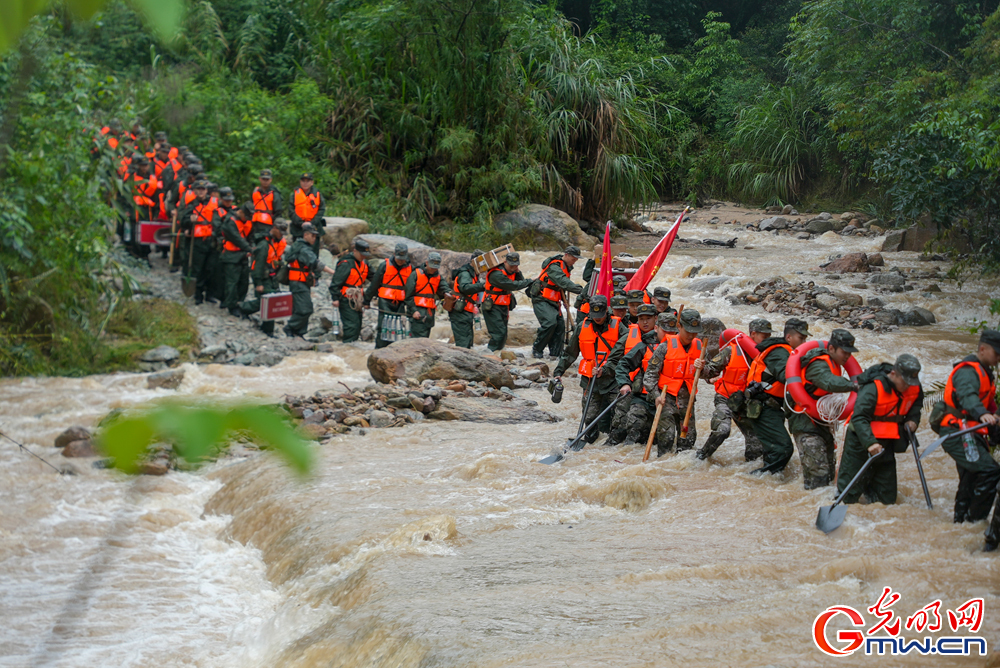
500, 297
112, 140
734, 377
424, 294
594, 343
357, 277
393, 285
468, 300
275, 251
890, 404
757, 369
306, 206
144, 190
263, 206
244, 226
633, 339
550, 290
987, 390
203, 224
298, 272
678, 365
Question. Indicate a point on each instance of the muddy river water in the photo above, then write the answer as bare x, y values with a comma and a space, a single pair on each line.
448, 545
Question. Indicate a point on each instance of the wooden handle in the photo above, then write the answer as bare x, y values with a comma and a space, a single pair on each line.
694, 393
652, 432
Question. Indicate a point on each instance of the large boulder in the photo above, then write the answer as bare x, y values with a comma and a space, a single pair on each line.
850, 263
340, 232
543, 227
893, 241
821, 225
384, 245
70, 435
890, 278
776, 223
428, 359
450, 260
166, 354
482, 409
827, 301
917, 317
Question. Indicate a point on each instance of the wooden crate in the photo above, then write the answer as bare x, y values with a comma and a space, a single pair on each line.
599, 250
490, 259
275, 306
626, 262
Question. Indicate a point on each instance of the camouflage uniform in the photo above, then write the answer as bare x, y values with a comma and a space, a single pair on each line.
723, 416
672, 416
622, 427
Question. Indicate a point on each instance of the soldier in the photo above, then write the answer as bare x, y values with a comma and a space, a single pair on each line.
465, 287
389, 283
423, 288
555, 281
499, 283
630, 374
266, 204
583, 299
635, 300
199, 219
969, 397
636, 334
670, 381
821, 375
765, 395
729, 370
619, 308
267, 255
347, 288
303, 265
889, 400
308, 206
236, 227
595, 336
145, 201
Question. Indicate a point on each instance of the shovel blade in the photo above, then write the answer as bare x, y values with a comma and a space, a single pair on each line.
551, 459
830, 517
188, 286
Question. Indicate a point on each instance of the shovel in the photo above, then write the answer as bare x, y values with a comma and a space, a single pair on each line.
572, 445
189, 282
933, 446
831, 517
920, 468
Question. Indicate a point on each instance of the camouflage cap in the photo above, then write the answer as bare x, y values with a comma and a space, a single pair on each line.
843, 339
362, 247
661, 293
183, 150
434, 260
619, 301
226, 193
139, 159
667, 320
619, 279
160, 135
200, 184
281, 224
306, 176
761, 325
513, 259
163, 148
308, 228
991, 337
195, 168
646, 309
402, 251
690, 320
797, 325
572, 250
908, 367
598, 306
636, 296
265, 174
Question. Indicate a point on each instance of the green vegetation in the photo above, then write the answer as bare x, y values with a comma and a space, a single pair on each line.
430, 117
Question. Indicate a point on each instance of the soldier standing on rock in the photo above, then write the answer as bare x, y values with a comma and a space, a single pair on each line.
303, 265
594, 338
462, 315
765, 395
669, 380
264, 265
497, 301
423, 290
308, 206
554, 282
347, 288
820, 376
389, 283
729, 370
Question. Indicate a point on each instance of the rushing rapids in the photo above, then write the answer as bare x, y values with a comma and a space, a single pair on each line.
446, 544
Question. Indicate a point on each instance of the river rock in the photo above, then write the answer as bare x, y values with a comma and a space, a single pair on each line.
775, 223
157, 466
381, 419
893, 241
848, 298
850, 263
415, 416
426, 358
827, 301
820, 225
267, 358
917, 317
554, 228
70, 435
876, 260
384, 245
708, 283
889, 316
340, 232
165, 380
889, 278
787, 210
482, 409
165, 354
534, 374
82, 448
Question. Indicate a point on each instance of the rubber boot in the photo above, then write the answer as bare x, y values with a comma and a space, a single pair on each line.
984, 492
963, 495
711, 445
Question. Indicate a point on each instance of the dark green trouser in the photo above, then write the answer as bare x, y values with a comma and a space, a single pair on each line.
551, 327
496, 324
879, 481
302, 308
777, 444
252, 305
387, 307
977, 481
421, 329
350, 321
236, 272
202, 265
461, 327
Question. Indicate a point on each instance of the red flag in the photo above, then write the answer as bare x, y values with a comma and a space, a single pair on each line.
647, 271
604, 278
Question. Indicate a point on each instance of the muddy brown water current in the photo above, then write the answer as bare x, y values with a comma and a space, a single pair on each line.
448, 545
